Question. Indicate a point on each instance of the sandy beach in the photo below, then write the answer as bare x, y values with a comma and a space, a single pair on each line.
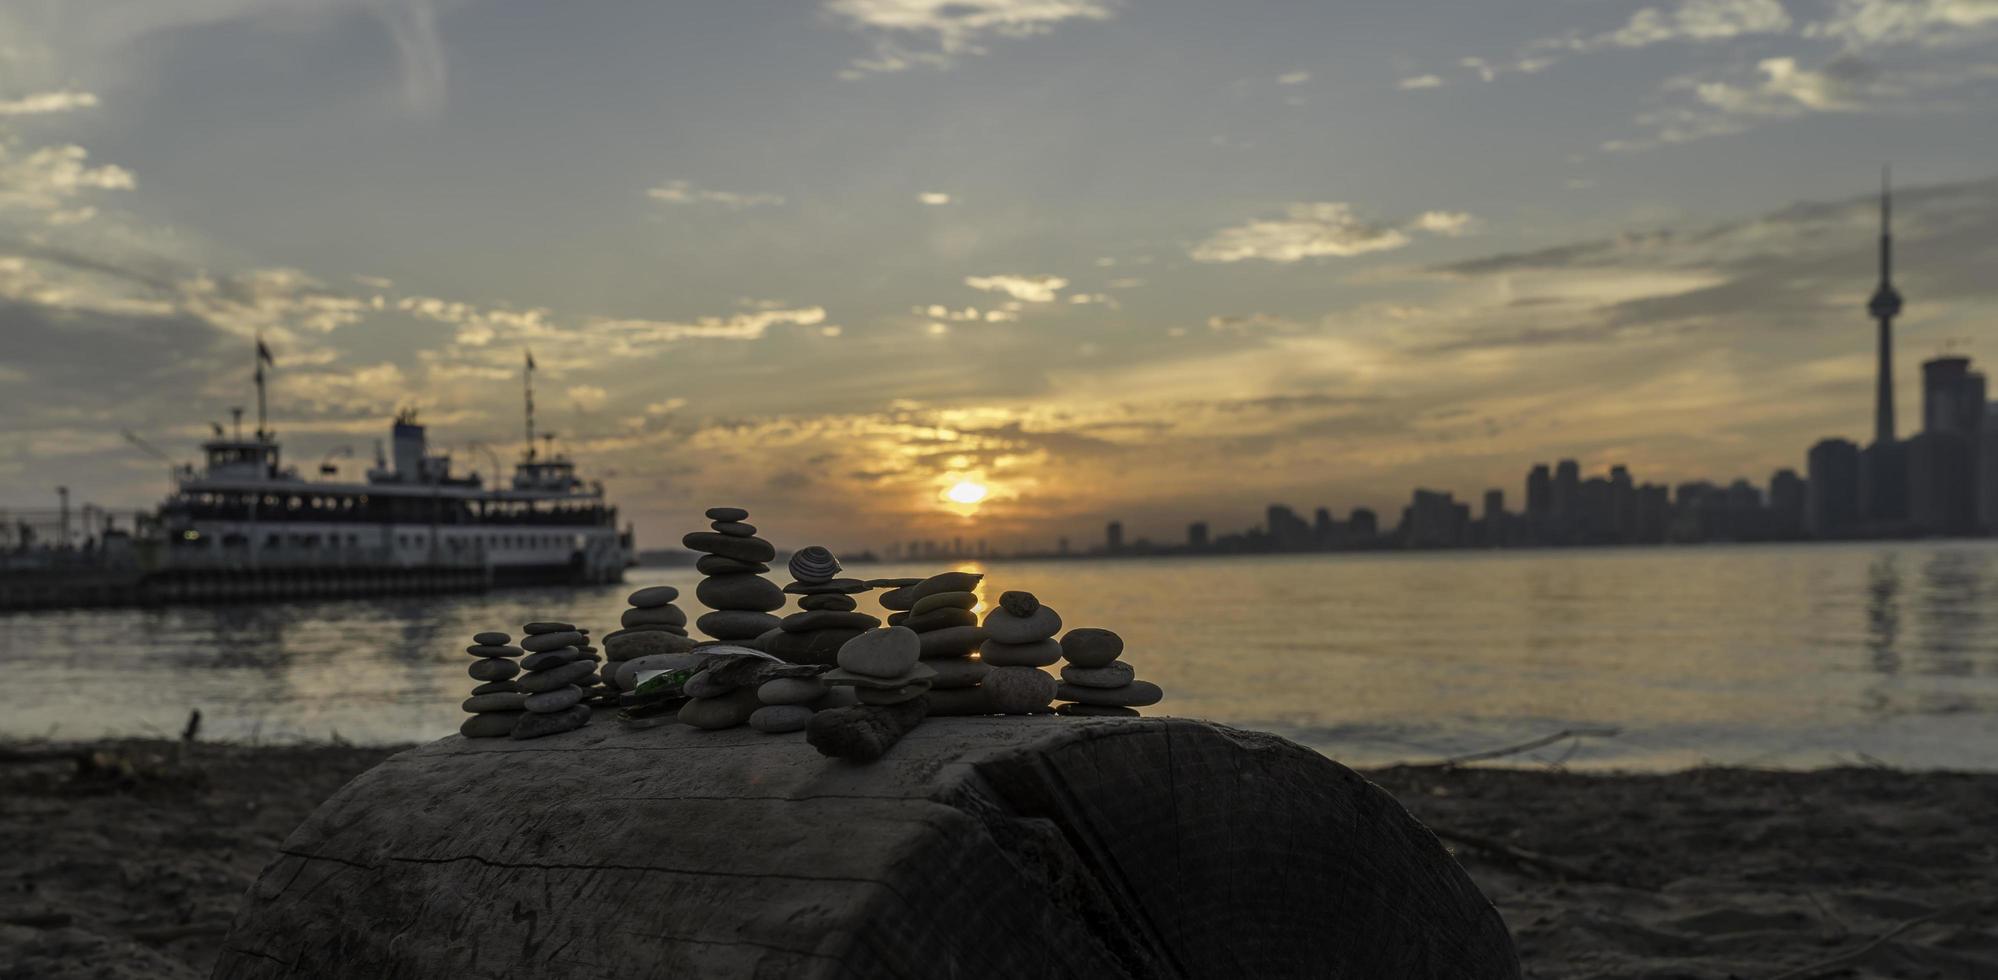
127, 859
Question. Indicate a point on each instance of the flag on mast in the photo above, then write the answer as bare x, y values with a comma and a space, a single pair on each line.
264, 354
530, 360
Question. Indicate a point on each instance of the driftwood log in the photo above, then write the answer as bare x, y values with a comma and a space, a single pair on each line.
978, 847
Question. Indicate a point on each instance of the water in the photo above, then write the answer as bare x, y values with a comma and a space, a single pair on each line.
1788, 656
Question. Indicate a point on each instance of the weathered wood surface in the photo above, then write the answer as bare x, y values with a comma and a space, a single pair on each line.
978, 847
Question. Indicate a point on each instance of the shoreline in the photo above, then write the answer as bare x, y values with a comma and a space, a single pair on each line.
127, 858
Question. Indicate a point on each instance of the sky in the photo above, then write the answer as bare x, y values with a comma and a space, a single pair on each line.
1149, 260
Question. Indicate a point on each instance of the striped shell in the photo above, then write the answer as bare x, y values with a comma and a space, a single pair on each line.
814, 564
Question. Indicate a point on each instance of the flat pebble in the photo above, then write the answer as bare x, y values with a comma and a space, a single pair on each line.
945, 600
549, 641
549, 627
495, 687
549, 702
1040, 653
835, 586
496, 724
791, 690
938, 619
481, 703
491, 639
1008, 628
729, 546
736, 624
533, 725
494, 650
734, 529
549, 680
494, 669
1136, 694
740, 591
1096, 711
717, 565
1114, 674
946, 582
888, 652
550, 659
652, 596
954, 672
1091, 647
828, 619
627, 646
668, 615
727, 711
777, 719
830, 601
956, 641
727, 514
1018, 690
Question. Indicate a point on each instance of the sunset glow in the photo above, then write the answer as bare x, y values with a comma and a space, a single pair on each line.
967, 492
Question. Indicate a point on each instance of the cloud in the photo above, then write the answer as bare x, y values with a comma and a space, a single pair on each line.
1694, 21
1928, 23
412, 26
935, 33
1320, 229
933, 197
970, 314
1026, 289
589, 398
42, 103
49, 178
1293, 78
1420, 82
684, 192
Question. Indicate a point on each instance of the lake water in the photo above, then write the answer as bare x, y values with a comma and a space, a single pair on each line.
1788, 656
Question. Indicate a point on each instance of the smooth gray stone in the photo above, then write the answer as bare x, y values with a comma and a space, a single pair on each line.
626, 677
1136, 694
889, 652
891, 695
1018, 690
629, 646
829, 601
791, 690
729, 546
1096, 711
491, 638
736, 624
727, 514
778, 719
741, 591
550, 659
532, 725
842, 676
717, 565
549, 680
898, 618
816, 647
652, 596
957, 672
959, 702
495, 687
813, 564
1091, 647
734, 529
1040, 653
939, 619
549, 702
1114, 674
837, 586
550, 641
492, 724
494, 650
957, 641
946, 601
946, 582
727, 711
828, 619
493, 669
705, 685
532, 629
1008, 628
482, 703
899, 599
667, 615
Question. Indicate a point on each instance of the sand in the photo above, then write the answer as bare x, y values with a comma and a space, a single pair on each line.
127, 859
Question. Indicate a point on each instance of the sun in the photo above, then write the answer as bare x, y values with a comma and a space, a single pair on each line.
966, 492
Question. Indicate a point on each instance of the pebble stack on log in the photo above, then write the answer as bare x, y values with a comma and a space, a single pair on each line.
1096, 682
885, 670
1021, 642
557, 670
733, 560
496, 703
939, 610
724, 692
653, 625
827, 615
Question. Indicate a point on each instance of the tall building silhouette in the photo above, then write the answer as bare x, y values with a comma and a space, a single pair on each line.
1885, 306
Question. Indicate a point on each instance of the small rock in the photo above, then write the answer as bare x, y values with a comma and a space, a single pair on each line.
727, 514
1114, 674
957, 641
628, 646
937, 619
947, 582
495, 687
653, 616
1091, 647
555, 677
1136, 694
953, 673
751, 592
900, 600
840, 676
734, 529
889, 652
549, 702
729, 546
1005, 627
1096, 711
533, 725
1017, 690
827, 619
705, 685
653, 596
494, 650
548, 659
1021, 604
491, 639
813, 564
494, 669
1040, 653
482, 703
717, 565
791, 690
494, 724
837, 586
945, 600
727, 711
549, 641
532, 629
828, 601
777, 719
736, 624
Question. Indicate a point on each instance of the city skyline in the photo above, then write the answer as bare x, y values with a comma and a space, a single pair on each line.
833, 265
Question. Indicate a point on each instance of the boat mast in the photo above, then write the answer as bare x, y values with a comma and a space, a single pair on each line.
528, 380
263, 358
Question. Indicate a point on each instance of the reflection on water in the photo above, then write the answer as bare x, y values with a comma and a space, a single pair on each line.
1791, 655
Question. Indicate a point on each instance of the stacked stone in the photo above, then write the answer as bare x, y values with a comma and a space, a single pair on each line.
733, 560
883, 667
1021, 642
496, 704
938, 610
652, 626
827, 613
557, 672
1096, 682
726, 689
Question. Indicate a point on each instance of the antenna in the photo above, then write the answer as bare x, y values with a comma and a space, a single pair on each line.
528, 380
237, 412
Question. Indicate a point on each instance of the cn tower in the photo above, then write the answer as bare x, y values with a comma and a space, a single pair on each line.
1885, 306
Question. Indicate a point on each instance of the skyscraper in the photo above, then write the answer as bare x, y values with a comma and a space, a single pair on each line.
1952, 396
1885, 306
1831, 492
1539, 492
1113, 537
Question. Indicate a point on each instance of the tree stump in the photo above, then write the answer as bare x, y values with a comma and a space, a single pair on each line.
977, 847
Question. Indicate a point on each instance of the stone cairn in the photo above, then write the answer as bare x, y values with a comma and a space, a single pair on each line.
885, 669
827, 615
1021, 642
733, 560
557, 672
726, 690
652, 627
938, 610
1095, 682
496, 704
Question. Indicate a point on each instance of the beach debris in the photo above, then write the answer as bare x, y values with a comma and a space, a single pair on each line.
496, 703
557, 671
1020, 641
1095, 683
733, 560
827, 613
652, 625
